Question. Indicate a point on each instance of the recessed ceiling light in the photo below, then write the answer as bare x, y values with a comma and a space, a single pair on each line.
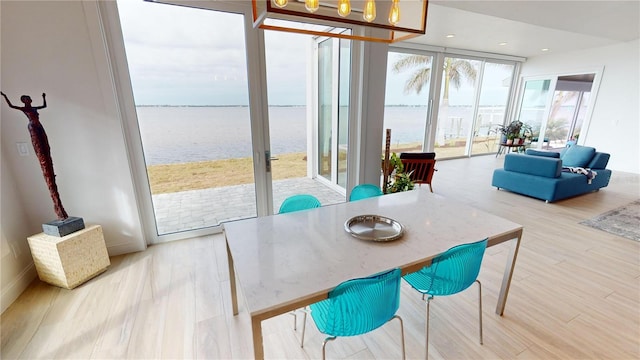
544, 49
451, 35
502, 43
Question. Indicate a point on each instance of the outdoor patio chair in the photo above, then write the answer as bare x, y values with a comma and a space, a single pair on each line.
358, 306
449, 273
420, 166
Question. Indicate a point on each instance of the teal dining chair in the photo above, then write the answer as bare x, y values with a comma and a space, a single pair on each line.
299, 202
364, 191
449, 273
358, 306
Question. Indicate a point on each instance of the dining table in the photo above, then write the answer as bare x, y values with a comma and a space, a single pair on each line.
287, 261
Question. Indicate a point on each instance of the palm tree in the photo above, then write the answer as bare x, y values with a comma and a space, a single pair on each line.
455, 70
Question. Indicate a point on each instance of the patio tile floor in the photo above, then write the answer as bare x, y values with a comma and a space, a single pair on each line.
188, 210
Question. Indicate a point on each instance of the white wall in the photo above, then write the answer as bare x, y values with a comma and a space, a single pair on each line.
614, 126
16, 267
56, 47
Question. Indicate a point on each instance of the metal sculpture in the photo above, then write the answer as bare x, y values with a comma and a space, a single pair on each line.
41, 147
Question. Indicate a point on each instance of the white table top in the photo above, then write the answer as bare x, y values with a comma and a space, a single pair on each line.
286, 260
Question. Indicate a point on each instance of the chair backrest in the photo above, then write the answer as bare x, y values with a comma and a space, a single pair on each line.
364, 191
299, 202
454, 270
420, 166
358, 306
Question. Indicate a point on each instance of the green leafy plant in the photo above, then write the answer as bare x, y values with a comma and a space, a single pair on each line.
398, 180
395, 164
511, 130
401, 182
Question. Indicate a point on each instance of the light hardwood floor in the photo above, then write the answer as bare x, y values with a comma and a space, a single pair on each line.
575, 295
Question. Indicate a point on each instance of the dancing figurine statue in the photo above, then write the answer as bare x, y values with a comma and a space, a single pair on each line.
41, 147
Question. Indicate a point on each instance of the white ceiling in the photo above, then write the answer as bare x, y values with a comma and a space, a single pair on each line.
528, 26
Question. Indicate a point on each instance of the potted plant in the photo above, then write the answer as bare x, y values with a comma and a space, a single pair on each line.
401, 182
511, 131
398, 179
526, 132
395, 164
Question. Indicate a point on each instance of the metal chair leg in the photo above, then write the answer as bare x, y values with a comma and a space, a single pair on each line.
401, 334
304, 327
324, 343
480, 308
427, 329
295, 320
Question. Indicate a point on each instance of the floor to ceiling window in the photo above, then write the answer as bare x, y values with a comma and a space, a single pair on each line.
188, 75
557, 107
457, 106
473, 102
568, 109
211, 152
533, 107
495, 88
333, 89
289, 57
407, 99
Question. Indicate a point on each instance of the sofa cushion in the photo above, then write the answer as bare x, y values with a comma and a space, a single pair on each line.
577, 156
599, 161
533, 165
535, 152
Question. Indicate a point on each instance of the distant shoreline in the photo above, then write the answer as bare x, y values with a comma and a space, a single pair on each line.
284, 106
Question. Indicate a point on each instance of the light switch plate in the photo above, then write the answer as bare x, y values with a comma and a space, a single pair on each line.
23, 148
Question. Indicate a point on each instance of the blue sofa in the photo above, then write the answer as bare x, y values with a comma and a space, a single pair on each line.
546, 175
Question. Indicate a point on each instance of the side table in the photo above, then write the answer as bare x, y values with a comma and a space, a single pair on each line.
70, 260
518, 147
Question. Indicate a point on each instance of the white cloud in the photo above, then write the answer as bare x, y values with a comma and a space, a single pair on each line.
179, 55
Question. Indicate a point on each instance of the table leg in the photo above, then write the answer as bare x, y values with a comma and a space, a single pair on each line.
508, 274
232, 281
256, 329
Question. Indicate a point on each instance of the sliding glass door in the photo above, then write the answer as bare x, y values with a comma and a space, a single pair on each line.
190, 90
473, 101
408, 100
289, 57
534, 107
332, 104
457, 106
557, 107
495, 88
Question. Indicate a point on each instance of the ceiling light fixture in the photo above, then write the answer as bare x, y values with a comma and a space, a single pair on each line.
369, 13
449, 36
502, 43
406, 18
544, 49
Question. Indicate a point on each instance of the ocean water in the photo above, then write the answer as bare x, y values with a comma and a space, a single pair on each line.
184, 134
174, 134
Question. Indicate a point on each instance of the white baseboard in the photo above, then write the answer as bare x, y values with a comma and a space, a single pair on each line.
11, 292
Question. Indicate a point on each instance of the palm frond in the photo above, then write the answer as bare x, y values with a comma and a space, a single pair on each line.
418, 79
411, 61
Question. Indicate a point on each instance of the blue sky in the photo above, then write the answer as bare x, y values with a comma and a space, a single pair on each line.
185, 56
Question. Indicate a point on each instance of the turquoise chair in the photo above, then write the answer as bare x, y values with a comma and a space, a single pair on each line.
299, 202
449, 273
364, 191
358, 306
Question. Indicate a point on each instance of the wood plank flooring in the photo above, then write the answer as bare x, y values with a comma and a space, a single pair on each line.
575, 295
